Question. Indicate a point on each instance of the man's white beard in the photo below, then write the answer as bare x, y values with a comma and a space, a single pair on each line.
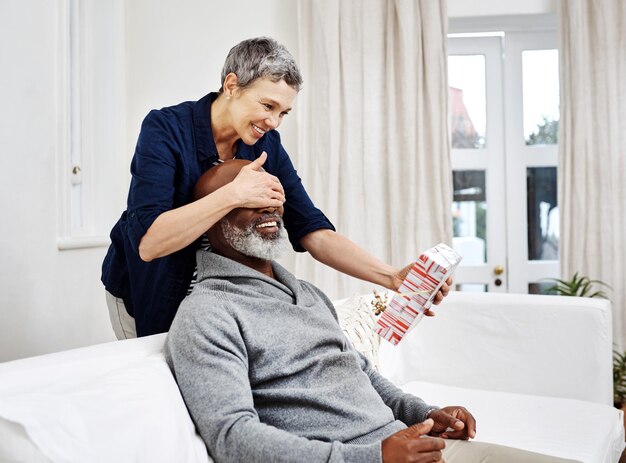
251, 243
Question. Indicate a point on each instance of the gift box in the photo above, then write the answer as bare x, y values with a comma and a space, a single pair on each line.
417, 292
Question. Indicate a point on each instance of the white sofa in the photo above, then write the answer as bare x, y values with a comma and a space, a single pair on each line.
534, 370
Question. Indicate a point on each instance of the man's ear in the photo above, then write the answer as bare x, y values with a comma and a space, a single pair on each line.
211, 235
215, 236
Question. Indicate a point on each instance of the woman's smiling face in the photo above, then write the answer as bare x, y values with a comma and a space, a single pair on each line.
259, 107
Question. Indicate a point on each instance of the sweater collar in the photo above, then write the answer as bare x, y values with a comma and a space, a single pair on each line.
214, 266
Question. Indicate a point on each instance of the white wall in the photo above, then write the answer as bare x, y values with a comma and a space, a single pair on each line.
49, 299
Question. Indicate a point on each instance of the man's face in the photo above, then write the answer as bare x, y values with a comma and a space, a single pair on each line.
255, 233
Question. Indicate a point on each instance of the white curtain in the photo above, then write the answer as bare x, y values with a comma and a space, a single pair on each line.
592, 146
372, 128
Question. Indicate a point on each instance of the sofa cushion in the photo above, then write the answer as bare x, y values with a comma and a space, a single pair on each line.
134, 413
567, 428
16, 446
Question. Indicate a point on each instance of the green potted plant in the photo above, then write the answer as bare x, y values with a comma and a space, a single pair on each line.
619, 378
619, 385
578, 285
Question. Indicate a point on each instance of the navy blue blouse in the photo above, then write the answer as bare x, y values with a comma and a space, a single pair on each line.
174, 149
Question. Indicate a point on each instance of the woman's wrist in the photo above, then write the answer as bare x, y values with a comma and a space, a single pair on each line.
227, 196
390, 278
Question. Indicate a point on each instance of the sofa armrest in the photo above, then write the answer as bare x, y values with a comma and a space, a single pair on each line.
540, 345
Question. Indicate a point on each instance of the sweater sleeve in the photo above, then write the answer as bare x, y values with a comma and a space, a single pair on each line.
406, 407
208, 357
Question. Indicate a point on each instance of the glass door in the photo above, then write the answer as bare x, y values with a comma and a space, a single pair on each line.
476, 126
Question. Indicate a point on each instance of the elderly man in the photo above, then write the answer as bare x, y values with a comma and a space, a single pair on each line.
267, 374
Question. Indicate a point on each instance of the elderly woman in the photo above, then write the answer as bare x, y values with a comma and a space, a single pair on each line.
150, 264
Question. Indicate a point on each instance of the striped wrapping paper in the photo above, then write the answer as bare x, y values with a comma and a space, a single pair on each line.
417, 292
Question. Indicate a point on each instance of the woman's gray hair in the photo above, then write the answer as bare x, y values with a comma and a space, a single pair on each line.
261, 57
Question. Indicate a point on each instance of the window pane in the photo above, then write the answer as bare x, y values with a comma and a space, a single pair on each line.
468, 106
539, 288
540, 81
469, 215
543, 214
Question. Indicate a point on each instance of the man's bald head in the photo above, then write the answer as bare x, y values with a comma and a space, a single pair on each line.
218, 176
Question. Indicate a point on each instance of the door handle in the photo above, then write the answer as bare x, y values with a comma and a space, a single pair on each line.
497, 271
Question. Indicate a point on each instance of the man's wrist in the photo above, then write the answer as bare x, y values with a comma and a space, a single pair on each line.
428, 412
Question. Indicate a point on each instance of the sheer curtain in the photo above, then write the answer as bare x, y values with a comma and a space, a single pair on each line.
372, 128
592, 145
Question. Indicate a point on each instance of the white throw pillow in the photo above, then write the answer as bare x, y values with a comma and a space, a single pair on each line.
133, 414
357, 320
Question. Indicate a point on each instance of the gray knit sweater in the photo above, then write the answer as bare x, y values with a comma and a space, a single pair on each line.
267, 374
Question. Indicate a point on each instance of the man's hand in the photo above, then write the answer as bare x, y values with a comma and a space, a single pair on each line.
413, 445
443, 291
453, 423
